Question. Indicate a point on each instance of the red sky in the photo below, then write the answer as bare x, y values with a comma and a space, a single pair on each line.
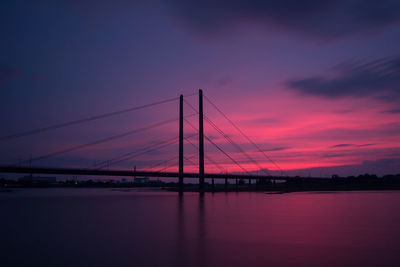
314, 85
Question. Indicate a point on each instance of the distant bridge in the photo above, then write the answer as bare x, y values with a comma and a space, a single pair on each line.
201, 175
77, 171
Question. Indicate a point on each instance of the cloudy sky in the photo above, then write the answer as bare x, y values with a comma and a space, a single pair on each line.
316, 84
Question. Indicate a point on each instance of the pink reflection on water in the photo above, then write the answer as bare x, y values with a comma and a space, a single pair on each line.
104, 227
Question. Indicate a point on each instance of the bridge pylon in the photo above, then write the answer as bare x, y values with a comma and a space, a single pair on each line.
181, 144
201, 143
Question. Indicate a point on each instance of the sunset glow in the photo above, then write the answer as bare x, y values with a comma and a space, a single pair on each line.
316, 99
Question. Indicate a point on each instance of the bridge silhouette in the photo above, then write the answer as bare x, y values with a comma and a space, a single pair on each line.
99, 168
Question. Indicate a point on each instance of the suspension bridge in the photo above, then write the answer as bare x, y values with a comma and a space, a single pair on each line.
102, 168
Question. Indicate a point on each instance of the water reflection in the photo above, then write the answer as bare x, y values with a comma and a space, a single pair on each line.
191, 249
201, 235
108, 228
180, 250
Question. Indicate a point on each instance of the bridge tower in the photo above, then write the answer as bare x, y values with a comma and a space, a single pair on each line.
201, 143
181, 144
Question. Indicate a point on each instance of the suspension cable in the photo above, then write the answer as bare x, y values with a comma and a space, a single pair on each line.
207, 157
243, 134
234, 144
173, 164
143, 151
87, 119
225, 136
191, 161
161, 163
129, 155
229, 139
74, 148
219, 148
226, 154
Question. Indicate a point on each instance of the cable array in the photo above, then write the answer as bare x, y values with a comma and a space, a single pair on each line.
130, 155
173, 164
143, 151
243, 134
150, 148
229, 140
206, 156
219, 148
234, 144
162, 163
107, 139
79, 121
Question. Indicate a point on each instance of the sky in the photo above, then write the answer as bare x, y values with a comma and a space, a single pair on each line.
315, 84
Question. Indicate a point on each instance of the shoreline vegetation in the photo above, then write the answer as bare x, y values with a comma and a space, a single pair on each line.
296, 184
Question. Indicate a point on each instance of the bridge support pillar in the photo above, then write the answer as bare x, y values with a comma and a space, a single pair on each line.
213, 185
201, 143
237, 184
181, 144
226, 184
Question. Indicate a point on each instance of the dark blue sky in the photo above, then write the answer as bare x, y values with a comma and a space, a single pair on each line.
315, 83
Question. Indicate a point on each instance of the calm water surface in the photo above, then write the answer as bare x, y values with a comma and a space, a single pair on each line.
104, 227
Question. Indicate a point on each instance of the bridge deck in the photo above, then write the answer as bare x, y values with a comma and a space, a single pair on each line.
94, 172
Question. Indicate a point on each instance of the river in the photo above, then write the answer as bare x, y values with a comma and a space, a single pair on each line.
105, 227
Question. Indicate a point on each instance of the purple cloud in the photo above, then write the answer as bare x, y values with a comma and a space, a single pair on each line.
351, 145
342, 145
323, 19
380, 78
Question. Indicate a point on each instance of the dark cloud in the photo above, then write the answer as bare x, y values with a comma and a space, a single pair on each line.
348, 145
380, 78
336, 155
275, 149
342, 145
392, 111
323, 19
363, 145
